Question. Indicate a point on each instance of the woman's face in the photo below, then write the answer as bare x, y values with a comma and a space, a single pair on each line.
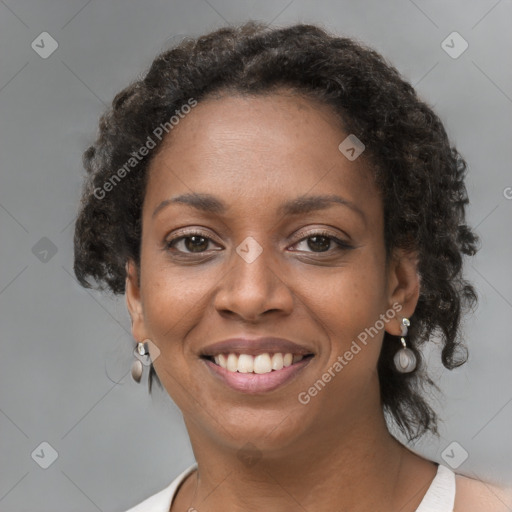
259, 263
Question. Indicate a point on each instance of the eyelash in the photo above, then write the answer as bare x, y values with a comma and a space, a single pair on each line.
341, 245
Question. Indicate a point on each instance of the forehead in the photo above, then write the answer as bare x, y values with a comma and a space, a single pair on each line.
257, 147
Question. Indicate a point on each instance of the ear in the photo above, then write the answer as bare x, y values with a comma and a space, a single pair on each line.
403, 287
134, 302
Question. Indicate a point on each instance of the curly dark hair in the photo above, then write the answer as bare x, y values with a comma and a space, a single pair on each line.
417, 170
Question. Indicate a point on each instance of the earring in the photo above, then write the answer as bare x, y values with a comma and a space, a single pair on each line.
141, 352
405, 359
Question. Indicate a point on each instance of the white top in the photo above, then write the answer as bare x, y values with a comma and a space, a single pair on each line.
440, 496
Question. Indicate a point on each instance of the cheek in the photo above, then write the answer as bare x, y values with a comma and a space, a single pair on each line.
173, 306
173, 301
353, 293
348, 307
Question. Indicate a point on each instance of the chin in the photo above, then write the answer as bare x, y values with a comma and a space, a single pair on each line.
270, 429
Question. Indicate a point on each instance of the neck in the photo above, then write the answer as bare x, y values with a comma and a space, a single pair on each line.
356, 467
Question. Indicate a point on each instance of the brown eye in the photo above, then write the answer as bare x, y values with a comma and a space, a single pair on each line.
322, 242
192, 243
319, 243
196, 243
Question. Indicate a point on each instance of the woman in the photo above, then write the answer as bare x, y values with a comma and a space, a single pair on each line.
287, 220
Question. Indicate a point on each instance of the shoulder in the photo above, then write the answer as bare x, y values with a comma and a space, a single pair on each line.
473, 495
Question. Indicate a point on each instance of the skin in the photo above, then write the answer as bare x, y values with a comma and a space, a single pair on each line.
254, 153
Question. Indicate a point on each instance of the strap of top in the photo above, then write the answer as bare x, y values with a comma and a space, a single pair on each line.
440, 496
161, 501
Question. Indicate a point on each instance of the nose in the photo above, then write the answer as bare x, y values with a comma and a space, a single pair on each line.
250, 289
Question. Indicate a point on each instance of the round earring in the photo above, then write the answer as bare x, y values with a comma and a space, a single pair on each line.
405, 359
140, 352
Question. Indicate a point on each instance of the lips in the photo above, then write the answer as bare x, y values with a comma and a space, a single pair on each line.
256, 365
254, 347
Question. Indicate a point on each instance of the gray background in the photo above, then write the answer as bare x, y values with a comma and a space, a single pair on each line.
66, 352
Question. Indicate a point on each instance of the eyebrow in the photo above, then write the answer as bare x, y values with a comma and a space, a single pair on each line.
208, 203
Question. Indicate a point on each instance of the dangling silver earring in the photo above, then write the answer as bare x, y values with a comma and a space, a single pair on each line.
405, 359
141, 353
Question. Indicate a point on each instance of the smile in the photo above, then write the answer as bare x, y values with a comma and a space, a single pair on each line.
256, 374
259, 364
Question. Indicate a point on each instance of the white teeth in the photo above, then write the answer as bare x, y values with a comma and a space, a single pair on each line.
277, 361
245, 363
231, 363
261, 363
